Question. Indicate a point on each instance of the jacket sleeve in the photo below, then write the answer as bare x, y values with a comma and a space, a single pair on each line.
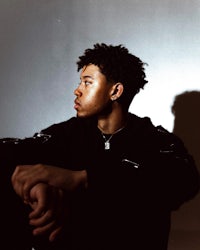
180, 177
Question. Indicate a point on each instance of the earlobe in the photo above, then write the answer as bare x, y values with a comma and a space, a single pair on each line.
113, 98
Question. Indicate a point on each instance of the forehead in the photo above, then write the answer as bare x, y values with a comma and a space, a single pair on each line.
91, 70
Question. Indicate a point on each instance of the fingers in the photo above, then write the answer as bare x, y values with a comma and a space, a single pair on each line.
39, 200
25, 177
31, 183
18, 179
47, 225
44, 229
54, 234
49, 210
43, 219
51, 228
38, 210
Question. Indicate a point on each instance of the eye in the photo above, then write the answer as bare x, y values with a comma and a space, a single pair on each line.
87, 83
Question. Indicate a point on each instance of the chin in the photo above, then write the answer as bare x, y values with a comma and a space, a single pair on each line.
82, 116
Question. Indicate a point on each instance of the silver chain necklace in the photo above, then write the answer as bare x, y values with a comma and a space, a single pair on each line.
107, 141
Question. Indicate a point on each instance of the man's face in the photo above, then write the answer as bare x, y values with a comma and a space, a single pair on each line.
93, 93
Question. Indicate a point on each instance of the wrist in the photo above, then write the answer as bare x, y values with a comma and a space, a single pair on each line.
80, 178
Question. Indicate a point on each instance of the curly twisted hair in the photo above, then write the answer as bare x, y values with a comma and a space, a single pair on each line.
118, 65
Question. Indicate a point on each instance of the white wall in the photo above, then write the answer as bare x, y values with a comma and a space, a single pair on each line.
40, 42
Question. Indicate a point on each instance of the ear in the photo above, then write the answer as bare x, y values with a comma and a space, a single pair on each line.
116, 91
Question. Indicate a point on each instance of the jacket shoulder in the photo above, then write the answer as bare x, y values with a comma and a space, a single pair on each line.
157, 136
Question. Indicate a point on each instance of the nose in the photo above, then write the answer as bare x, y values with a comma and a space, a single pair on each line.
77, 91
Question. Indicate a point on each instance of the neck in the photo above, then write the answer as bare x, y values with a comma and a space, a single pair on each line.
112, 122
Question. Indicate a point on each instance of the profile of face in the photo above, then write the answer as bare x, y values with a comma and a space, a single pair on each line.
93, 94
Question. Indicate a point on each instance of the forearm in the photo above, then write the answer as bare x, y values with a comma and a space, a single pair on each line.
69, 180
27, 176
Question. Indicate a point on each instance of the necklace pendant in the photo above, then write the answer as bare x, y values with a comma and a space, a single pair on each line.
107, 145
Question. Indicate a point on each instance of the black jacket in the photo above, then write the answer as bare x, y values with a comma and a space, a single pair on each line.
133, 187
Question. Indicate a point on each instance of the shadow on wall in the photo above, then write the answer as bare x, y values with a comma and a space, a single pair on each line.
185, 231
186, 109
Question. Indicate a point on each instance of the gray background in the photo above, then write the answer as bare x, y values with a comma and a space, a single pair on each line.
40, 41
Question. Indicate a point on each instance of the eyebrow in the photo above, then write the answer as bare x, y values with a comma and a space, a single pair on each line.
87, 77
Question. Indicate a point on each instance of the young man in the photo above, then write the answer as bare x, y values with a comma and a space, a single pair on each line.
117, 177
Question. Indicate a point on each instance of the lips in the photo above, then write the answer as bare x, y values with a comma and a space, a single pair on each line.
76, 104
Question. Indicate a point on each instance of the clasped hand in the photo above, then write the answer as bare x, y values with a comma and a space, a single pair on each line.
50, 210
46, 189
